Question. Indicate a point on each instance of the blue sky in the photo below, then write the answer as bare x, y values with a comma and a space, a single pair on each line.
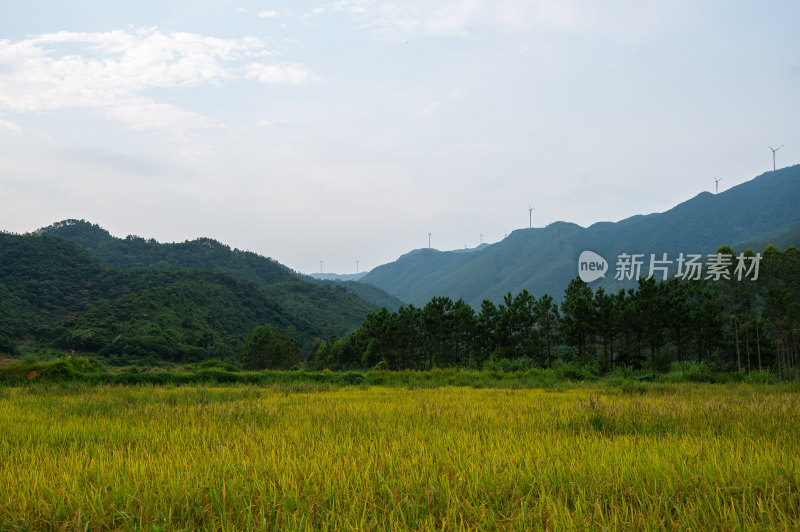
347, 130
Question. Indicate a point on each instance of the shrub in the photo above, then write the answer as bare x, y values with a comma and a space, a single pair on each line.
762, 376
690, 372
213, 363
8, 346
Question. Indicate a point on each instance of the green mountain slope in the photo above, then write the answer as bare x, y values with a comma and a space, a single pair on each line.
44, 279
137, 252
370, 293
180, 315
543, 260
780, 239
53, 290
336, 307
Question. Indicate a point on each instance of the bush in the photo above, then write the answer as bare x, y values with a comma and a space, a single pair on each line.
623, 372
510, 364
8, 346
58, 370
762, 376
214, 363
82, 364
574, 371
628, 373
353, 377
16, 373
690, 372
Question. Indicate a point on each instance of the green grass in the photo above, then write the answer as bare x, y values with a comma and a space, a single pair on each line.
298, 456
92, 370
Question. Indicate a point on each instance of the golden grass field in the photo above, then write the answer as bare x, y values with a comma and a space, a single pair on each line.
695, 457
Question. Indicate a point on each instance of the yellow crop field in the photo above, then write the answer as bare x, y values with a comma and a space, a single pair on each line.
698, 457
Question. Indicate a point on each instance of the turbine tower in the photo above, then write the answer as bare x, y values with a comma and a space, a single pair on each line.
530, 216
356, 266
429, 241
320, 266
716, 184
773, 155
481, 238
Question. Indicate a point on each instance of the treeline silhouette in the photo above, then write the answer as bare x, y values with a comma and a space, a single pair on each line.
742, 325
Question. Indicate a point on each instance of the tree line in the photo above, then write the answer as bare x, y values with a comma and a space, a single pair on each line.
738, 325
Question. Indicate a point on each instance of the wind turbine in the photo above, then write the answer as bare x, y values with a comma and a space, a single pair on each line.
530, 216
356, 266
716, 184
773, 155
429, 241
481, 238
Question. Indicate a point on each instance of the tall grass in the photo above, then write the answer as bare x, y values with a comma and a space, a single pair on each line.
698, 457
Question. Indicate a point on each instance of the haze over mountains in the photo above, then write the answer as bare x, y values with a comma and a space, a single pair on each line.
754, 214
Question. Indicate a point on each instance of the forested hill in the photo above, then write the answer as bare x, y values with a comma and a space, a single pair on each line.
54, 291
544, 260
346, 302
782, 240
137, 252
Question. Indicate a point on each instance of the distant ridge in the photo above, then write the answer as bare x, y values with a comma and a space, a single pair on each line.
544, 260
332, 308
338, 276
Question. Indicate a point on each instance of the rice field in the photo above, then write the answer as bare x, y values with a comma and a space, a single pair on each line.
699, 457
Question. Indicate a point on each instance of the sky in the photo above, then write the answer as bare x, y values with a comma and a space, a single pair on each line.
335, 135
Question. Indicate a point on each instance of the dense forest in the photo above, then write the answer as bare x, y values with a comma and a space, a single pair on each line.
739, 325
54, 293
302, 292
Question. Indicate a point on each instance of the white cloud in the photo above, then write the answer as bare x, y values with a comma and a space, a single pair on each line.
109, 72
9, 126
292, 74
429, 108
457, 18
268, 13
264, 122
315, 12
144, 114
466, 18
458, 94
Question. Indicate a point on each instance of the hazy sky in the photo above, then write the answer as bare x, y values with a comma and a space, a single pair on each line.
347, 130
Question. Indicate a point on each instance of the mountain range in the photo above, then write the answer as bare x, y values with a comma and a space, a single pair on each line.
206, 253
75, 286
753, 214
